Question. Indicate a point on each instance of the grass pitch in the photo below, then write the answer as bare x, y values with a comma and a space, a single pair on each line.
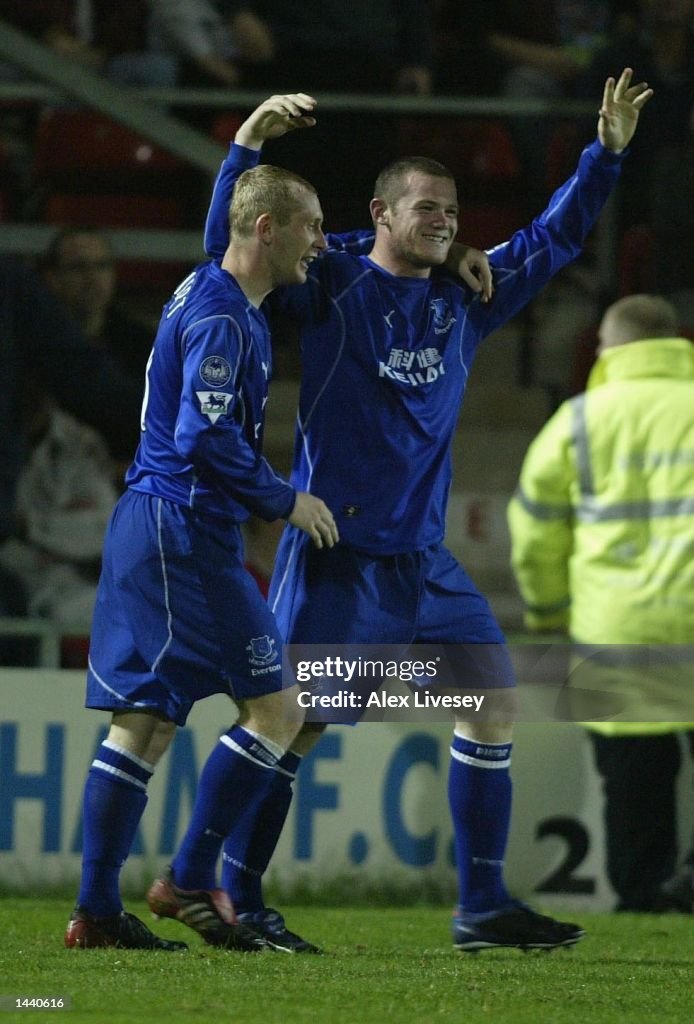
381, 965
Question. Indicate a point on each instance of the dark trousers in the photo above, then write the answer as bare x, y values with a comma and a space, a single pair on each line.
639, 776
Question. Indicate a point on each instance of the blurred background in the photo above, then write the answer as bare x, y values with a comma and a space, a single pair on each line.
114, 119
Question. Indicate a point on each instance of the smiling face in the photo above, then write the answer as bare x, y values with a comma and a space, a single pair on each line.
415, 229
298, 242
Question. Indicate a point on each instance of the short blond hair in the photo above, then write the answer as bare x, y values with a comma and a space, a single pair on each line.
265, 189
639, 317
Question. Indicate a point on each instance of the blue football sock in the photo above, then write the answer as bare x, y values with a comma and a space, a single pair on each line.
115, 796
479, 794
233, 786
247, 851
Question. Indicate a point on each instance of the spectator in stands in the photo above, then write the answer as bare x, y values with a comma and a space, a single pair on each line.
366, 46
547, 43
526, 51
462, 61
65, 494
213, 40
39, 342
120, 32
602, 530
544, 45
660, 48
80, 269
389, 42
107, 38
53, 23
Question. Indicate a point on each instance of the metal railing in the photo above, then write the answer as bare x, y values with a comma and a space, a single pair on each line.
52, 79
47, 637
144, 109
373, 103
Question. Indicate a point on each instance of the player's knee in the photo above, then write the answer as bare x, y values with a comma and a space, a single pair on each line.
307, 737
278, 716
485, 732
142, 733
160, 740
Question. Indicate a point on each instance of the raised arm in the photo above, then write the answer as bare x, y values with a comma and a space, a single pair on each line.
273, 118
523, 265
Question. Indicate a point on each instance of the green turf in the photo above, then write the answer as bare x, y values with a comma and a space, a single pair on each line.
382, 965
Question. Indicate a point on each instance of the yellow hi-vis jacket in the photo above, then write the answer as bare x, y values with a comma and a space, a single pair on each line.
602, 522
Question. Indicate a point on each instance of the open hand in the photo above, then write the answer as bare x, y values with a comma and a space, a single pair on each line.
621, 105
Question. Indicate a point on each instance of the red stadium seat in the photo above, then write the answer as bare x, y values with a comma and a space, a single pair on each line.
74, 651
85, 142
90, 170
563, 150
475, 149
152, 277
486, 224
114, 211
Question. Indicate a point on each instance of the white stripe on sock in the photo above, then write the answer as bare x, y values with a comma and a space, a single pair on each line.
102, 766
274, 748
147, 765
478, 762
238, 749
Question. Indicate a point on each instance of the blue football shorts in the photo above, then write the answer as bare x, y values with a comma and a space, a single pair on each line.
177, 617
342, 596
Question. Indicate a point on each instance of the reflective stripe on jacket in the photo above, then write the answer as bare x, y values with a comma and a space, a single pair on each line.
602, 522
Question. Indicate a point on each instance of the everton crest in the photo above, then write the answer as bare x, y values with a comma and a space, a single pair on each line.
261, 650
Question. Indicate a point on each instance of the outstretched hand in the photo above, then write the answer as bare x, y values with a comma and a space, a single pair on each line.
619, 114
275, 117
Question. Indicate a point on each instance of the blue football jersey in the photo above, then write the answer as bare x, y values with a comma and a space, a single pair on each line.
386, 359
203, 411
